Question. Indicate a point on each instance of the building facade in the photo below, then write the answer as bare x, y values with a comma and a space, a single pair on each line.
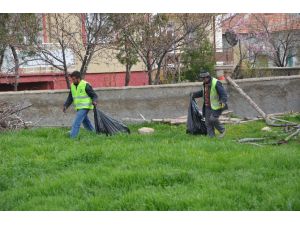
267, 40
103, 71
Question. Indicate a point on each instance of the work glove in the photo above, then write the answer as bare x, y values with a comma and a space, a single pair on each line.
223, 105
94, 103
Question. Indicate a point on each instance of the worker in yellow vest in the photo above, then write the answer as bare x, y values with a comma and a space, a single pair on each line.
84, 99
215, 101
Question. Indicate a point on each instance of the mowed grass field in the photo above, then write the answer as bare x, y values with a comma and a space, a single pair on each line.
42, 169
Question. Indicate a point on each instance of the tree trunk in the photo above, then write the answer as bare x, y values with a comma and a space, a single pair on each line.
128, 74
66, 75
157, 75
149, 67
149, 76
269, 119
1, 58
85, 61
149, 70
83, 67
17, 66
237, 70
249, 100
178, 70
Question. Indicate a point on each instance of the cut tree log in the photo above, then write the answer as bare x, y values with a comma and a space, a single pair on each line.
244, 140
249, 100
297, 132
269, 119
247, 121
183, 120
178, 121
134, 120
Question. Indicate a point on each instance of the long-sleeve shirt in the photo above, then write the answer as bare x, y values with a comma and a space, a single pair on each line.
220, 90
90, 92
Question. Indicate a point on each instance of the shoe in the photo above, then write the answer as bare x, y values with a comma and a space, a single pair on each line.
222, 134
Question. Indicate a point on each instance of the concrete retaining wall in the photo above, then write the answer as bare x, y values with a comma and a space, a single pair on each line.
274, 94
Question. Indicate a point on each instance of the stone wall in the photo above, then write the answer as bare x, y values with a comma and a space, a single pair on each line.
273, 94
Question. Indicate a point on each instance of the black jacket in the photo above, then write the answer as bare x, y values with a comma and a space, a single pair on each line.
90, 92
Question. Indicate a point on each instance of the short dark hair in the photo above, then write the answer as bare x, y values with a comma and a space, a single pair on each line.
76, 74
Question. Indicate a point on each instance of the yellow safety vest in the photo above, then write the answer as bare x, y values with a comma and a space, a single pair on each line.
214, 97
81, 100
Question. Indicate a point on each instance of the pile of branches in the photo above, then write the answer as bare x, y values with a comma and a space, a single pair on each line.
291, 129
10, 118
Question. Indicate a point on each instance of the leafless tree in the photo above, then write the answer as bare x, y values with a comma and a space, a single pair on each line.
281, 39
18, 32
61, 30
79, 35
276, 36
98, 33
156, 35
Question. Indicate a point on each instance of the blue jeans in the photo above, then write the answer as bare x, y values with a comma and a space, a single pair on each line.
81, 117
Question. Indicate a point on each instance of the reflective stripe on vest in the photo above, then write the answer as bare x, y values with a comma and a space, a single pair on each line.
214, 97
81, 100
81, 97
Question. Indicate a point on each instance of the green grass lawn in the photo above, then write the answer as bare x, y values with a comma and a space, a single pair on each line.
42, 169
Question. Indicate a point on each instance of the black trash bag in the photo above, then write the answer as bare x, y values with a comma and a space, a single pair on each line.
195, 120
104, 124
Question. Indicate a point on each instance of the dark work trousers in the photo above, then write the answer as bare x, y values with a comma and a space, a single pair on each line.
212, 121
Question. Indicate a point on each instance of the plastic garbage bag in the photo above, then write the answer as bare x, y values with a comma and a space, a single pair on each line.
195, 120
105, 124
